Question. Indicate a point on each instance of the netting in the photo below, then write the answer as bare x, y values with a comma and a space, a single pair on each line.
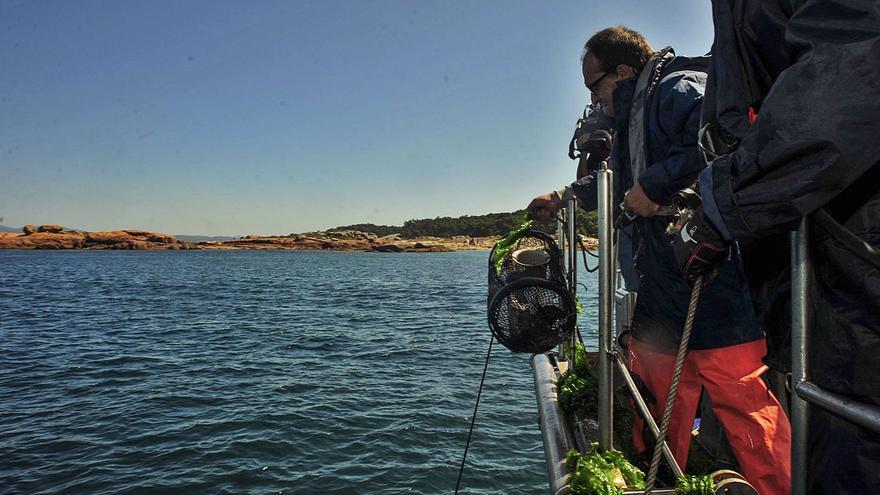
529, 306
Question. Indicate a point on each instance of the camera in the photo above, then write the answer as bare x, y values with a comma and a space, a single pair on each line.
591, 142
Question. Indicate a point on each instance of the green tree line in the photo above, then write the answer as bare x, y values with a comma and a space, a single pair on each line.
489, 225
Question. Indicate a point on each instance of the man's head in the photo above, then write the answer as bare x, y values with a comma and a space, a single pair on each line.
611, 55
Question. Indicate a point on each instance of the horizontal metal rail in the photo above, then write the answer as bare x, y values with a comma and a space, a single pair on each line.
855, 411
558, 439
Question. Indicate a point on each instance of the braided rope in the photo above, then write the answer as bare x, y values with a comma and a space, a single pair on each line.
673, 387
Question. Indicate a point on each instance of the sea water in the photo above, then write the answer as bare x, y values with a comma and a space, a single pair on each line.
259, 372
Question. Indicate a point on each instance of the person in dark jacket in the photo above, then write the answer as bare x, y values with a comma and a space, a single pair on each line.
791, 125
655, 102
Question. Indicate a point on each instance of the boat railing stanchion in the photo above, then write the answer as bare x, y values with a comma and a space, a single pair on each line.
571, 211
560, 239
606, 304
800, 288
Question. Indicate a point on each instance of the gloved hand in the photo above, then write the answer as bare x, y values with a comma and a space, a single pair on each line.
699, 248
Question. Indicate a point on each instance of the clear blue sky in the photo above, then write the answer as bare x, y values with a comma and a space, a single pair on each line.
233, 118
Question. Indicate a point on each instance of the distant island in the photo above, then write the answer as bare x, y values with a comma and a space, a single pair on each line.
441, 234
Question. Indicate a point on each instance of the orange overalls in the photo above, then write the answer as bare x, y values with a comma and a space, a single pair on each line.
754, 422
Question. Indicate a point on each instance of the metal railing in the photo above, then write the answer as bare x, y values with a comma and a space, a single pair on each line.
800, 286
605, 178
571, 214
558, 437
807, 394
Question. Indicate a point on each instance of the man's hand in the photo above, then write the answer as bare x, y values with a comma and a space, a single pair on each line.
545, 206
636, 201
698, 248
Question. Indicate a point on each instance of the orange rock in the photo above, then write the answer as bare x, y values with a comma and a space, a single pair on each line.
28, 229
111, 237
44, 240
152, 236
52, 238
50, 228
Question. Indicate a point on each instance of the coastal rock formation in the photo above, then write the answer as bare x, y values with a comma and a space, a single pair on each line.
411, 247
297, 242
347, 240
54, 237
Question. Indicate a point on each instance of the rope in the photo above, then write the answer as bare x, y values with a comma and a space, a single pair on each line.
673, 387
474, 417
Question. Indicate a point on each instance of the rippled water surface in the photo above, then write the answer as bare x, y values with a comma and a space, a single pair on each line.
257, 372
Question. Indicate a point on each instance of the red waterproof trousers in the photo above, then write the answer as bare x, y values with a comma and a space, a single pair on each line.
756, 426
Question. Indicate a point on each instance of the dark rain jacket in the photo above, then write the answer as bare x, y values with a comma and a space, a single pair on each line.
671, 120
813, 80
808, 72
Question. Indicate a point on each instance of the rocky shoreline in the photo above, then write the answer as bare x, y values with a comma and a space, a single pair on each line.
55, 237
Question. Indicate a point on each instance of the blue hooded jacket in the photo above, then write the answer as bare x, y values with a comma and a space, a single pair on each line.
725, 315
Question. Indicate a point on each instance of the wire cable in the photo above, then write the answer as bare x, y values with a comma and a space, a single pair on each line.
584, 252
474, 417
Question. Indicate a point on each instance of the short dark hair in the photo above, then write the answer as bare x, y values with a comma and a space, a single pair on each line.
618, 45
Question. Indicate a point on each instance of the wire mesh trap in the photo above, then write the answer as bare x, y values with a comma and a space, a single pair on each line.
529, 306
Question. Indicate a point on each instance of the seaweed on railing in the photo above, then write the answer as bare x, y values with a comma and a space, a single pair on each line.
695, 485
602, 473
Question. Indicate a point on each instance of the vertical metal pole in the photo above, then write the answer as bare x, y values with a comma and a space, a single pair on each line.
801, 267
560, 239
571, 209
606, 307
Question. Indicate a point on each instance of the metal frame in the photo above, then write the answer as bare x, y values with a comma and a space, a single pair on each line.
557, 435
800, 286
605, 178
611, 300
560, 240
807, 393
571, 211
558, 439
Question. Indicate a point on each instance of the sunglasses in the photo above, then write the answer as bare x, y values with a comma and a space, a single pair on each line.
593, 86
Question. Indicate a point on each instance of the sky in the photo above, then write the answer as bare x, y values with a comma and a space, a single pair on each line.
272, 117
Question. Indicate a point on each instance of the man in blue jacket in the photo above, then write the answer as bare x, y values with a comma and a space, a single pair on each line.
655, 101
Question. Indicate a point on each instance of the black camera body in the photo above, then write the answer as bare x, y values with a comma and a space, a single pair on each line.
591, 142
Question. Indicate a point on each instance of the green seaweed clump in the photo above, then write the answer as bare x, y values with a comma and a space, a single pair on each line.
695, 485
602, 473
504, 246
578, 387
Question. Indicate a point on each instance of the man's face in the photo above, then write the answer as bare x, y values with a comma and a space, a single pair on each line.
600, 84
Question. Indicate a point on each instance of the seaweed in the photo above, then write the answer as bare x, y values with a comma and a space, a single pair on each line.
505, 245
695, 485
602, 473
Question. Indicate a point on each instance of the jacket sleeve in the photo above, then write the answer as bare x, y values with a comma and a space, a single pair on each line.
585, 190
675, 119
817, 130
